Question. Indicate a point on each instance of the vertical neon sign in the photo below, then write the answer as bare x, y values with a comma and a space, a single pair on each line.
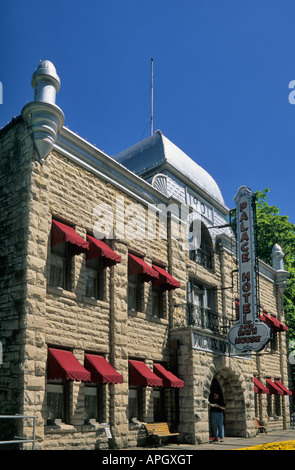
249, 333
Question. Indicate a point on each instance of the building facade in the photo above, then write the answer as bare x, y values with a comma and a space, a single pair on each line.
118, 287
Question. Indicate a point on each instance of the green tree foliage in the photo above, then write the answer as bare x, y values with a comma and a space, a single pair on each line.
272, 227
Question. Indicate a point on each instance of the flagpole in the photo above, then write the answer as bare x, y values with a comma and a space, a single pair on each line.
152, 95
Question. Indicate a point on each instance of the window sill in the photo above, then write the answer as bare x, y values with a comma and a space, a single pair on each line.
93, 427
59, 427
60, 292
93, 301
145, 316
62, 428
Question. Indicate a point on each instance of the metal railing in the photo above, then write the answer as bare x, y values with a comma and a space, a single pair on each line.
202, 257
207, 319
16, 439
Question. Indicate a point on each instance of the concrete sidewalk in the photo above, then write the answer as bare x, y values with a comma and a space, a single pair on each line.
234, 443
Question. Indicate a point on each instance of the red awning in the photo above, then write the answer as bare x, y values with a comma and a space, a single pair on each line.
98, 248
273, 388
101, 371
258, 387
64, 233
285, 389
64, 365
138, 266
165, 279
141, 375
169, 379
273, 322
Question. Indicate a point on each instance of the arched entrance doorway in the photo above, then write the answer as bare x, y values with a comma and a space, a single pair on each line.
214, 389
228, 385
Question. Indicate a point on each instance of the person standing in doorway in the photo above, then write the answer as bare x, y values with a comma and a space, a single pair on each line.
217, 407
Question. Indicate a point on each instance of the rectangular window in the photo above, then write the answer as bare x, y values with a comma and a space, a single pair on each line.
135, 404
200, 296
134, 292
159, 405
58, 394
274, 404
277, 405
278, 402
90, 404
157, 301
94, 278
94, 400
60, 266
55, 403
201, 306
269, 405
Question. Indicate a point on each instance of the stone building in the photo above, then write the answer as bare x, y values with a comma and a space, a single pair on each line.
118, 287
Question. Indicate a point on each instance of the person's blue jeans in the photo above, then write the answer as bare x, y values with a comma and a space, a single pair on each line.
217, 424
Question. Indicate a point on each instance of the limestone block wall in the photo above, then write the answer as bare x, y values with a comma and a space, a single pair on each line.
61, 318
234, 374
35, 315
15, 179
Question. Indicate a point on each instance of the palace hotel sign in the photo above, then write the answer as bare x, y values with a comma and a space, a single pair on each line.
249, 333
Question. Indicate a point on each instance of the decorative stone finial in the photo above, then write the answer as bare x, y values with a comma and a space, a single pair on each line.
43, 116
278, 265
277, 258
45, 82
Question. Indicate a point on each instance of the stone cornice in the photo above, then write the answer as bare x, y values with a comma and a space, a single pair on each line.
86, 155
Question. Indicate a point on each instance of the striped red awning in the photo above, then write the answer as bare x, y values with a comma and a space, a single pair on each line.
259, 387
285, 389
273, 388
64, 233
273, 322
169, 379
141, 375
137, 265
165, 279
64, 365
101, 371
98, 248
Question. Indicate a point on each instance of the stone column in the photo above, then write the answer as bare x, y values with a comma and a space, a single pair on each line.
35, 350
281, 282
119, 345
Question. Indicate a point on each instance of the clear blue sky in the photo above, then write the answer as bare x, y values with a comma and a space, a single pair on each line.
221, 75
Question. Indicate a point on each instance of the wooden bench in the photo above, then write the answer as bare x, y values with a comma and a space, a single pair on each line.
156, 431
259, 427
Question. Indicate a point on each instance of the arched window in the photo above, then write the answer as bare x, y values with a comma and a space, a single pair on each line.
201, 247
